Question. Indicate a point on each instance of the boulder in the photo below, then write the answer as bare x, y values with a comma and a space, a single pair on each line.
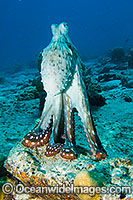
33, 168
118, 54
111, 85
130, 58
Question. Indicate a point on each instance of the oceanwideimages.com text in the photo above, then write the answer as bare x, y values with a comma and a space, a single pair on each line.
9, 188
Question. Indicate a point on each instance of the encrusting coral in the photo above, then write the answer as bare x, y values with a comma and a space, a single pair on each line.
87, 181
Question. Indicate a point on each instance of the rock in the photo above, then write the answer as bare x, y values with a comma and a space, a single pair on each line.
121, 66
107, 77
96, 99
2, 159
111, 85
130, 58
32, 167
42, 93
28, 93
2, 80
3, 172
118, 54
94, 93
104, 60
120, 176
129, 84
124, 81
106, 68
128, 99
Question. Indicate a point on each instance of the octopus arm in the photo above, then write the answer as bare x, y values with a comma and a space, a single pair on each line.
78, 96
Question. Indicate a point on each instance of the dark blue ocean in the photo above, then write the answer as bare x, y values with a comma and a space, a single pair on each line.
95, 27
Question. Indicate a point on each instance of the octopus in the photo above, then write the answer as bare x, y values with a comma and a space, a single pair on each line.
62, 78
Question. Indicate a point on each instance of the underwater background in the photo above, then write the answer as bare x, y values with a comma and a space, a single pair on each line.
95, 26
102, 32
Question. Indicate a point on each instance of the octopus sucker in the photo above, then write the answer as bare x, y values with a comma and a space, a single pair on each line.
36, 141
38, 137
53, 150
62, 78
68, 153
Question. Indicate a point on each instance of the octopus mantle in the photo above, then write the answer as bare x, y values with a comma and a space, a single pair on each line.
61, 72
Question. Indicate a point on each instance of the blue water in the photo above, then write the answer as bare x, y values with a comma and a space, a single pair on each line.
96, 26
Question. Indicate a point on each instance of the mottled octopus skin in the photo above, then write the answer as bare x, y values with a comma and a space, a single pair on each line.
61, 72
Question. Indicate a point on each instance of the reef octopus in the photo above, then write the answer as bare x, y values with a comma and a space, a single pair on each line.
62, 78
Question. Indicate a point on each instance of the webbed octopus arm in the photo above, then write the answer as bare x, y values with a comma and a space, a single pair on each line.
61, 71
53, 147
78, 96
39, 136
